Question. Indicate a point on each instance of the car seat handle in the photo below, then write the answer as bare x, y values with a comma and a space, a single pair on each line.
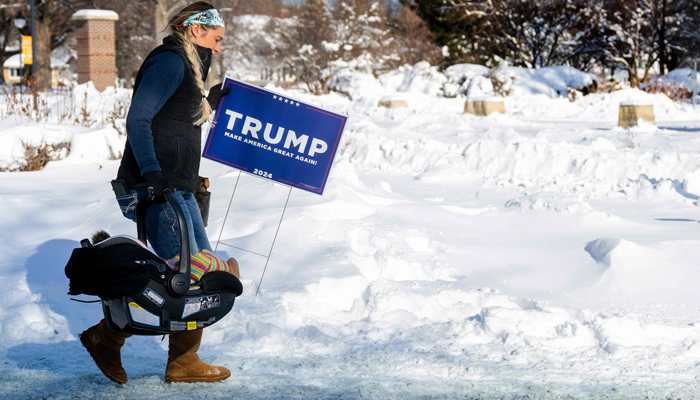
180, 283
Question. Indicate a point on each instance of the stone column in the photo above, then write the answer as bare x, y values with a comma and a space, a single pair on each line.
96, 47
633, 112
484, 106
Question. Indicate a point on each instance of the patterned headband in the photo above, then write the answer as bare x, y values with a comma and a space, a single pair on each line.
208, 17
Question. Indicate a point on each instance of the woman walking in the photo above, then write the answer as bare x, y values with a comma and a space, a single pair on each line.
163, 151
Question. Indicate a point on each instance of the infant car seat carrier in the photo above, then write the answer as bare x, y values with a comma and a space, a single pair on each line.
140, 293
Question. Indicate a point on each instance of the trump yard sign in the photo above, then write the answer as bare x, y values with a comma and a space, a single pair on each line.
274, 137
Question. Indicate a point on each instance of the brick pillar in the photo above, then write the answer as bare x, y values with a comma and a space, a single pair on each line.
96, 47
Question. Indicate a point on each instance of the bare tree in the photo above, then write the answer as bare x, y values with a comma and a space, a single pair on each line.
7, 13
414, 40
134, 35
530, 33
311, 45
623, 36
164, 9
270, 8
53, 27
672, 24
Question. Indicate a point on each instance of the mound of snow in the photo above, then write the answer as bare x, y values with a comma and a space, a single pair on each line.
691, 183
656, 190
480, 87
600, 249
358, 86
602, 144
562, 78
12, 137
472, 80
683, 76
460, 76
75, 145
423, 79
98, 144
628, 267
544, 201
392, 80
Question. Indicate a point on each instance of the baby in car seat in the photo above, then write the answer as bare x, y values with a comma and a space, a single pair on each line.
200, 263
205, 262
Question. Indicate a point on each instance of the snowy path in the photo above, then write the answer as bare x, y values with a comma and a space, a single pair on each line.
446, 260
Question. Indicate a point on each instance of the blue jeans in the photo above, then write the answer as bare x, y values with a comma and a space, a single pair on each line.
162, 229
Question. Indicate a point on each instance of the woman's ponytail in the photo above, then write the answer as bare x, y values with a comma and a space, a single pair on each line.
179, 32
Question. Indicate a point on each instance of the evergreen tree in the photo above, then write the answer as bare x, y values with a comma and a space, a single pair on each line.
413, 40
459, 25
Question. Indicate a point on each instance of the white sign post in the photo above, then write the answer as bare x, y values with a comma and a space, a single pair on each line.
695, 81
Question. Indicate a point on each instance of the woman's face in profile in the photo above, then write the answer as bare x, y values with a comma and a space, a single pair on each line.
210, 38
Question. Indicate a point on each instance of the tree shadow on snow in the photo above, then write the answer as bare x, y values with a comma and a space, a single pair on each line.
46, 276
687, 129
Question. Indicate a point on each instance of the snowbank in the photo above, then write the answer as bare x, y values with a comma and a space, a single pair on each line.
358, 86
463, 80
683, 76
472, 80
96, 139
422, 79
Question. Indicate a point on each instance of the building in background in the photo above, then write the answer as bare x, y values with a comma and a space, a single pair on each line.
60, 71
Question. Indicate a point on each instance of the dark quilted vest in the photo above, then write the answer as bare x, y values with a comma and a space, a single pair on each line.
177, 140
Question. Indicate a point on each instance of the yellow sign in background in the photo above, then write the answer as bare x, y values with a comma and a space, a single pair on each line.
27, 50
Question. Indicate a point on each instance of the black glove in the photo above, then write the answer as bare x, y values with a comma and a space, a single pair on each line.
155, 180
216, 93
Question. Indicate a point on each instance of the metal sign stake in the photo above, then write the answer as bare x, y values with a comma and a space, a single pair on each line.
227, 211
273, 241
248, 251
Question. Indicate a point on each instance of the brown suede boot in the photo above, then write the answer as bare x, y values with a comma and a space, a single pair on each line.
184, 364
233, 267
105, 348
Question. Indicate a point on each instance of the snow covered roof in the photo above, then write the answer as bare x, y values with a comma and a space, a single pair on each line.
96, 14
14, 61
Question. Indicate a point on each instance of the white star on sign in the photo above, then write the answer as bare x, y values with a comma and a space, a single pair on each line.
280, 99
274, 97
286, 101
297, 104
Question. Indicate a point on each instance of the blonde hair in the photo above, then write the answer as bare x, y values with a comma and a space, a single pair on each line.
180, 32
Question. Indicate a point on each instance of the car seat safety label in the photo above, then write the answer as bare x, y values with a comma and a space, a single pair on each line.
176, 326
138, 314
198, 304
154, 297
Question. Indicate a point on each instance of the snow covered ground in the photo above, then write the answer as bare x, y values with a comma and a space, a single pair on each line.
542, 254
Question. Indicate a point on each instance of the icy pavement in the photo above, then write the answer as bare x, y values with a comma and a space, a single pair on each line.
452, 256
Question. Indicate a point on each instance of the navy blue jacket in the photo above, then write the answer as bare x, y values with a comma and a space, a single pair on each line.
160, 124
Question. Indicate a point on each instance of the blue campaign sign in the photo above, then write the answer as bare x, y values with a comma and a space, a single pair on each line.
274, 137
